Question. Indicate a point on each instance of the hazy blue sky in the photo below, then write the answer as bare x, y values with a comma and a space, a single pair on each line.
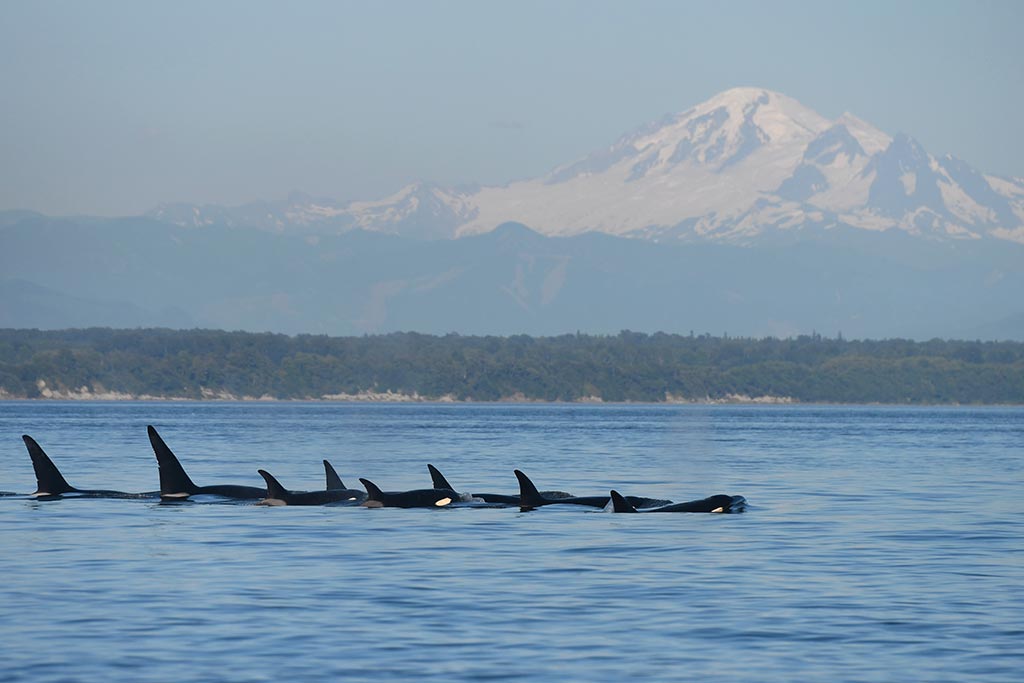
114, 107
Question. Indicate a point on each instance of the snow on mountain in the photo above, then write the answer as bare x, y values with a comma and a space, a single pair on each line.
422, 209
749, 163
871, 140
299, 210
714, 159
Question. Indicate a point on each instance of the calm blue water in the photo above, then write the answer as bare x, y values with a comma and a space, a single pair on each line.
881, 544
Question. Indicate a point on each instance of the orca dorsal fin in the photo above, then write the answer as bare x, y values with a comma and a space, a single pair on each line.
529, 496
439, 481
49, 480
274, 489
333, 480
620, 504
173, 479
373, 491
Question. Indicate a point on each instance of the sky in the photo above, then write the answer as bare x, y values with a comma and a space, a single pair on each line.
112, 108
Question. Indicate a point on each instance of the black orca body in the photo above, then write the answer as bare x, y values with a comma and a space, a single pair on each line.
717, 503
50, 483
530, 498
175, 484
279, 495
417, 498
440, 482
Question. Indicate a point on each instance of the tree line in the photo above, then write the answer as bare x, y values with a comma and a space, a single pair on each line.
630, 366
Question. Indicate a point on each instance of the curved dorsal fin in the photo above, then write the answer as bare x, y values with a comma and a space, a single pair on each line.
333, 480
173, 479
439, 481
529, 496
620, 504
49, 480
274, 488
373, 492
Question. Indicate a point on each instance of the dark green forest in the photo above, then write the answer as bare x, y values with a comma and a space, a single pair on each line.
629, 366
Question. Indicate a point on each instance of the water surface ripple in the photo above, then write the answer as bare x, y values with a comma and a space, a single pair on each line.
881, 544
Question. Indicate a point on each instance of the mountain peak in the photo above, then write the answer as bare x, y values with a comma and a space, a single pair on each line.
750, 162
742, 165
777, 115
514, 235
733, 125
738, 98
715, 135
870, 138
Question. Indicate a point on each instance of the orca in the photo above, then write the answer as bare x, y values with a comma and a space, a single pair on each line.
51, 484
717, 503
440, 482
530, 498
175, 484
333, 480
418, 498
279, 495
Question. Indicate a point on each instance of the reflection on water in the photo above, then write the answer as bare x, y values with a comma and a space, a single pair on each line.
880, 544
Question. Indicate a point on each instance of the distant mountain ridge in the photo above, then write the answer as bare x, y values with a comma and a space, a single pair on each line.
60, 273
748, 214
747, 165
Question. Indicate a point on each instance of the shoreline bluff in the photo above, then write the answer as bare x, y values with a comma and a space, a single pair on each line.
86, 394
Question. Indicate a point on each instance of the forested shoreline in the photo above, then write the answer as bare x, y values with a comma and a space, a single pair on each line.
628, 367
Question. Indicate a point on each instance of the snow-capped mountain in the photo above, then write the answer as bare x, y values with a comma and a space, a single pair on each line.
746, 164
298, 210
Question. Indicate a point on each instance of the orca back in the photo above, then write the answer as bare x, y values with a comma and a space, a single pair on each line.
174, 481
418, 498
51, 483
438, 479
373, 492
620, 504
49, 480
333, 480
497, 498
275, 491
720, 502
529, 496
717, 503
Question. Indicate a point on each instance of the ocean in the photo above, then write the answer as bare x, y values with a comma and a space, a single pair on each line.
879, 544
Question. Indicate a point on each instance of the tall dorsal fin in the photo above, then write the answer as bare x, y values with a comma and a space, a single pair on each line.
529, 496
620, 504
439, 481
49, 480
373, 491
333, 480
274, 489
173, 479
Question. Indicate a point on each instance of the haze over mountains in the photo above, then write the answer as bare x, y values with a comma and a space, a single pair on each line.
748, 214
747, 164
